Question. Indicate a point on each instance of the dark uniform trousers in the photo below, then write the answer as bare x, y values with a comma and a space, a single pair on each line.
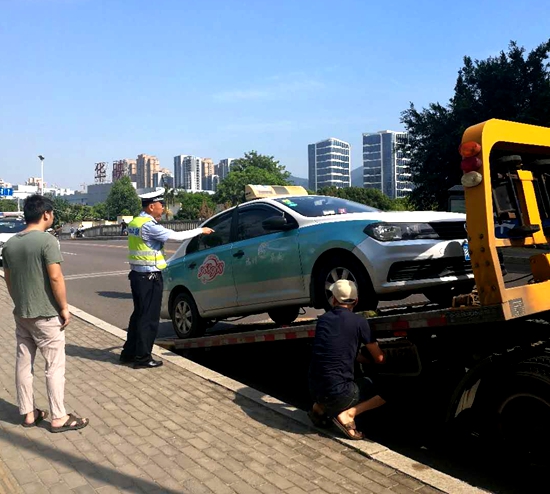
144, 321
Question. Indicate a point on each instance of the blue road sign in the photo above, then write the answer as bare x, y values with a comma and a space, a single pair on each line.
5, 191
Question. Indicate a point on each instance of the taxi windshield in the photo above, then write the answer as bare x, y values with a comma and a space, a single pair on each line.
11, 226
312, 206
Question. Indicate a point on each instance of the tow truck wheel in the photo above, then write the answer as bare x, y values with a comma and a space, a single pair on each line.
337, 268
523, 411
284, 315
186, 320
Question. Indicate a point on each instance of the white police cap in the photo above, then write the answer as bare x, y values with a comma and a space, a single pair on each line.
151, 197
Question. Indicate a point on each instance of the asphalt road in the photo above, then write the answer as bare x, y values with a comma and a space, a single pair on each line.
96, 273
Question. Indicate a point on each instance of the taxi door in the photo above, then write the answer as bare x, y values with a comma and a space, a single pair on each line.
266, 263
206, 269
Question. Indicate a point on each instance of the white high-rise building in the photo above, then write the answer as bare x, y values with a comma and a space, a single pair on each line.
188, 173
329, 164
385, 166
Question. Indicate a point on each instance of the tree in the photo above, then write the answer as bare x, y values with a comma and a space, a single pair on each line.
267, 163
198, 205
99, 211
122, 200
369, 197
252, 169
510, 86
8, 205
169, 199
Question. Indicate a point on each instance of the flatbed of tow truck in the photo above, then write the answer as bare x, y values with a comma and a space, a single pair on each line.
393, 321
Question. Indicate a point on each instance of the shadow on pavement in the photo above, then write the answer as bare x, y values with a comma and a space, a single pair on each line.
98, 354
101, 473
119, 295
269, 416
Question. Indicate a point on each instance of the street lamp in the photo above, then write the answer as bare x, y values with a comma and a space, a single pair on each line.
41, 158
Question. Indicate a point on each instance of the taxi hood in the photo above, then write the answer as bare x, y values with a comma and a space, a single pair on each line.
393, 217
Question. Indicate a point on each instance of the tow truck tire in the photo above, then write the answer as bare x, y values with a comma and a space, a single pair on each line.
186, 321
335, 268
522, 409
284, 315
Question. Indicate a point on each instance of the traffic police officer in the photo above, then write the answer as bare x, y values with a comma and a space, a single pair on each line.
146, 240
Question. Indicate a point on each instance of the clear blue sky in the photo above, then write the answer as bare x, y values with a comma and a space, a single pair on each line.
83, 81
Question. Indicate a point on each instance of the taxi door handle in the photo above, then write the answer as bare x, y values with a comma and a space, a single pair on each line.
238, 254
192, 265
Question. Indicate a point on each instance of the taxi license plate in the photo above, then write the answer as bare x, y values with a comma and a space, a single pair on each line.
466, 251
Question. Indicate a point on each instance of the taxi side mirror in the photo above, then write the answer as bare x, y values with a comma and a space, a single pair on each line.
276, 223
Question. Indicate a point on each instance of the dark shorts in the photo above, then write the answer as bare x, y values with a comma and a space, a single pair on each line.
362, 389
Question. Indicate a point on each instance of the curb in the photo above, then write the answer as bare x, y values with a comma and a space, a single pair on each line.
370, 449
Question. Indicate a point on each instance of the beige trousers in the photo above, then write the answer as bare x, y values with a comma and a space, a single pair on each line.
47, 335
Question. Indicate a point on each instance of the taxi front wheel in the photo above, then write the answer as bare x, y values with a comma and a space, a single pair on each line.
186, 320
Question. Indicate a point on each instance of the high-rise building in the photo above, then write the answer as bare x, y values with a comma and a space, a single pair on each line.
385, 166
329, 164
146, 166
188, 173
207, 174
163, 178
223, 168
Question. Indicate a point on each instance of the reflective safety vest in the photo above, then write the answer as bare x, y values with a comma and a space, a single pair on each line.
139, 253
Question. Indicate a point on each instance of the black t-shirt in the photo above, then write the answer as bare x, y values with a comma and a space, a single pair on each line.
338, 336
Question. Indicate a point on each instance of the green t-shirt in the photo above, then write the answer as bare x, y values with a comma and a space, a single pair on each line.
27, 256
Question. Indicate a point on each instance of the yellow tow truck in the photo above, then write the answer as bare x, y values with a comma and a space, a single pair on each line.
490, 351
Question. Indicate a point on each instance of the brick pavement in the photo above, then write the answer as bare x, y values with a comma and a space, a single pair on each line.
167, 430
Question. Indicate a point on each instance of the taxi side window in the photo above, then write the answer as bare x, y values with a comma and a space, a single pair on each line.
221, 235
250, 222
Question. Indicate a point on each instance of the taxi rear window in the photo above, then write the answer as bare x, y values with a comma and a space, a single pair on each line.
312, 206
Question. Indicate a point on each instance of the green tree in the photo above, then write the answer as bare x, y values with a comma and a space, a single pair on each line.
267, 163
511, 86
99, 211
369, 197
231, 189
8, 205
194, 205
122, 200
64, 212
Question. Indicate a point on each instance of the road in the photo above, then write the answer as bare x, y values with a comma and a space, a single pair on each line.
96, 274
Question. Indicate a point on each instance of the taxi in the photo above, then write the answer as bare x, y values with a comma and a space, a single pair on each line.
282, 249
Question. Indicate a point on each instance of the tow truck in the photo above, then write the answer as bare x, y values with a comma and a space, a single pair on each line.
491, 348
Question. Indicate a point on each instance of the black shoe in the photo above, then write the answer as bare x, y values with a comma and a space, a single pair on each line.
148, 365
126, 360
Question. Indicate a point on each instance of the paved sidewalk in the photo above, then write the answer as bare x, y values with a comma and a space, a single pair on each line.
167, 430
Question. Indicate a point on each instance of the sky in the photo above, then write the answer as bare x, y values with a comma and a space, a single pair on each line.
83, 81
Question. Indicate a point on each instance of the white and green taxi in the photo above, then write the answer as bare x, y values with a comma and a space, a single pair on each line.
278, 254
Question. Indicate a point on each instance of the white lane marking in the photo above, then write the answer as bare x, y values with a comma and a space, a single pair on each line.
94, 275
69, 253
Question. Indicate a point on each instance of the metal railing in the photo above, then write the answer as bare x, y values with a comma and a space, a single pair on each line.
116, 230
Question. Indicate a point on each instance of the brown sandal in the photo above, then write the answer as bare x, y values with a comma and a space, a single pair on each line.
348, 428
79, 423
42, 414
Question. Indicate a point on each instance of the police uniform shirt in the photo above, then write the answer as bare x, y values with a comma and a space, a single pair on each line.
155, 235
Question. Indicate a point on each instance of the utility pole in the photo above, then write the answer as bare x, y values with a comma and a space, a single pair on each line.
41, 158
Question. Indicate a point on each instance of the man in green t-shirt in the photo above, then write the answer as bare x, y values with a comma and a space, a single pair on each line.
35, 282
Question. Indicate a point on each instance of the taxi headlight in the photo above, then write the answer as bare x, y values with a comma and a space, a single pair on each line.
390, 232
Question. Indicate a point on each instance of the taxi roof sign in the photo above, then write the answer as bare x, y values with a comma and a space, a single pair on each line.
265, 191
